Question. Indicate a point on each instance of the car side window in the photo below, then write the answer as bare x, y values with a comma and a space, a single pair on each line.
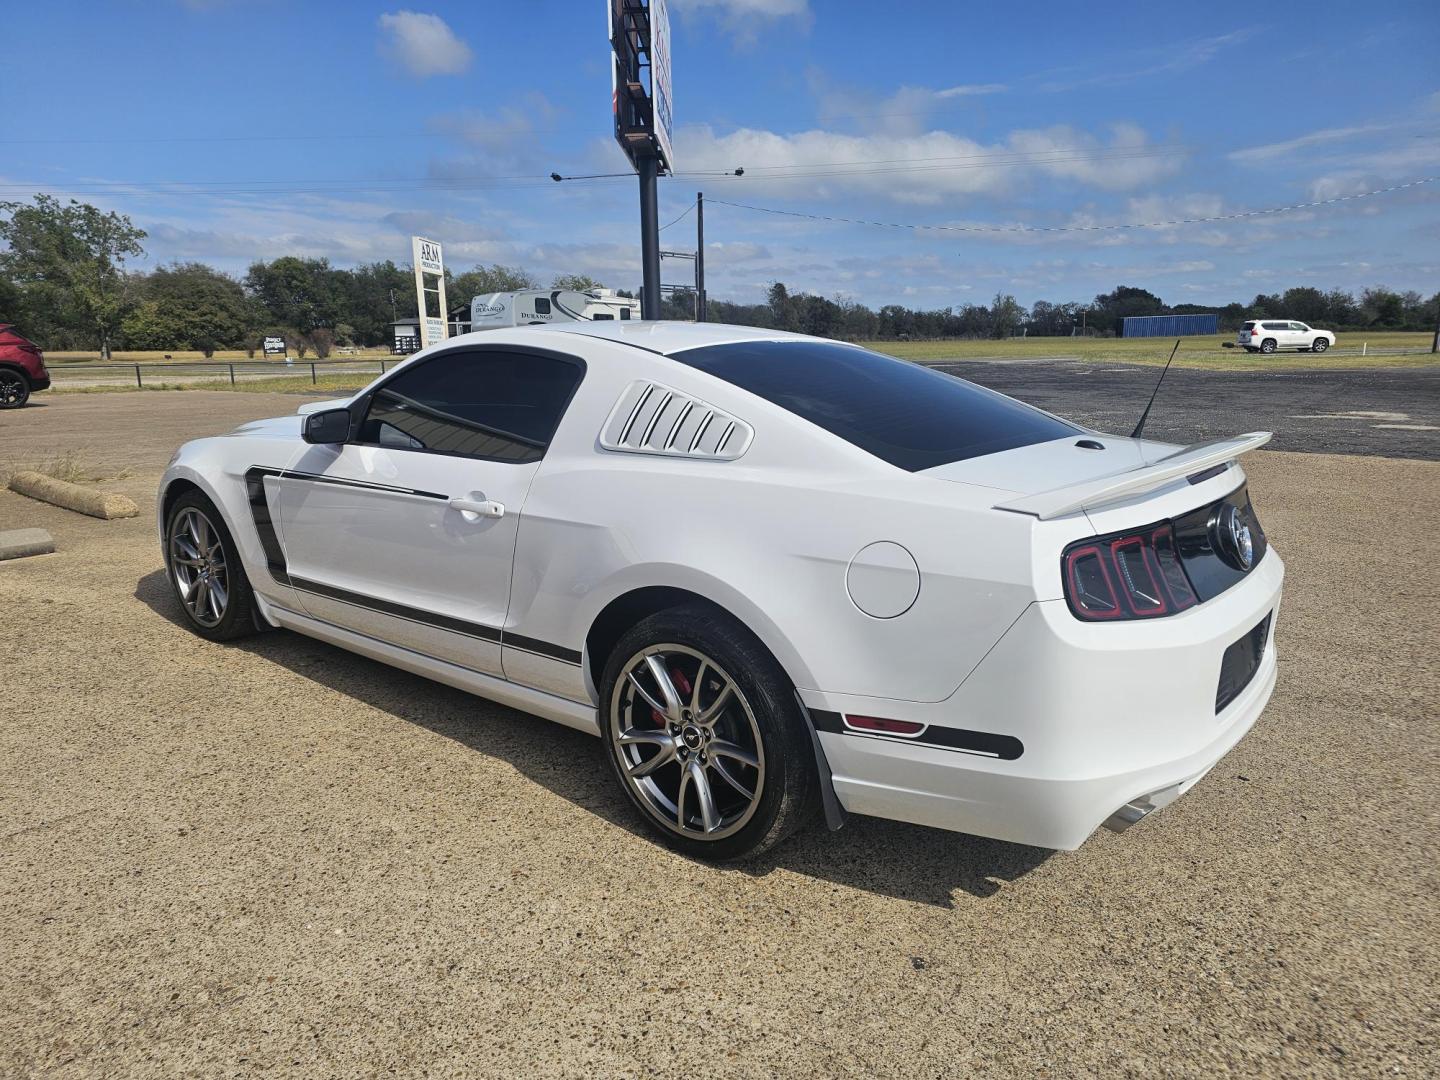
479, 403
1298, 326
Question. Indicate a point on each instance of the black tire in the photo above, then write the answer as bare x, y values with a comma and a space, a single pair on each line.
14, 388
789, 795
1250, 348
237, 618
1319, 345
1268, 345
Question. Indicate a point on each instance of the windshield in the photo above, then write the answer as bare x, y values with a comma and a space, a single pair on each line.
908, 415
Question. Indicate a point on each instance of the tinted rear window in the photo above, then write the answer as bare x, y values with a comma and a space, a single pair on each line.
1248, 326
902, 413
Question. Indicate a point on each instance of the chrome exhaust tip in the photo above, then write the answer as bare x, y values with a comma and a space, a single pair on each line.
1132, 813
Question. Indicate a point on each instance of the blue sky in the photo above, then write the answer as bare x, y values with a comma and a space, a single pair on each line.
240, 129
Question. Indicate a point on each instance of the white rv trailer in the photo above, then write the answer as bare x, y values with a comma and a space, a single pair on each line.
531, 307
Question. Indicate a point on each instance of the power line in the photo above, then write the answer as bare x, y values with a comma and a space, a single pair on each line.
679, 219
1084, 228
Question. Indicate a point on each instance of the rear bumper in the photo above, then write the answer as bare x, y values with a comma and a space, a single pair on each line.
40, 383
1084, 720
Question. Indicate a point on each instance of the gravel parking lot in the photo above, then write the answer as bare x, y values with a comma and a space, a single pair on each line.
276, 856
1390, 412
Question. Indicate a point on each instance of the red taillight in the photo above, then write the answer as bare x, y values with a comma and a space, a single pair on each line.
1134, 575
880, 723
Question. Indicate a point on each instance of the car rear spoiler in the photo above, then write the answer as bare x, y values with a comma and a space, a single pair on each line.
1108, 489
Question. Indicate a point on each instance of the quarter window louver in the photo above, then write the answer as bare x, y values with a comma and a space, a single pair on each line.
651, 418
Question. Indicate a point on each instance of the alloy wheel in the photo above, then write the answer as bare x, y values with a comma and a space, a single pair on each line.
14, 390
197, 566
687, 741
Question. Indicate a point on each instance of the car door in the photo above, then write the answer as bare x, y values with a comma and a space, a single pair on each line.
406, 532
1300, 335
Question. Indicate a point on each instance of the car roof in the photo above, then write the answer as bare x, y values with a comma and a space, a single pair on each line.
667, 337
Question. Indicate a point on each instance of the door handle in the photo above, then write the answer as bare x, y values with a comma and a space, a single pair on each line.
482, 507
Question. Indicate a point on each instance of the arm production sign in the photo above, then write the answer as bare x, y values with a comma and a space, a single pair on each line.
428, 262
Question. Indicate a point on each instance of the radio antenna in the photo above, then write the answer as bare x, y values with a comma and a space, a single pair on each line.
1146, 414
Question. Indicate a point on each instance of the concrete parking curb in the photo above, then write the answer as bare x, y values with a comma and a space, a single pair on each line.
82, 500
22, 543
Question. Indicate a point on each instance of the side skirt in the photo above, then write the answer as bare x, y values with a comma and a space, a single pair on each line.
581, 717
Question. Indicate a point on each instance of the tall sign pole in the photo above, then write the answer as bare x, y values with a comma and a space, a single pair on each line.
642, 103
649, 239
700, 313
427, 257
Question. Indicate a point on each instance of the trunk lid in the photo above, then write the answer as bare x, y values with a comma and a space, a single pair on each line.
1067, 476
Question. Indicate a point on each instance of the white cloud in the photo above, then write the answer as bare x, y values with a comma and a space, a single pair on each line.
744, 18
927, 168
423, 44
747, 9
1271, 151
971, 90
1168, 60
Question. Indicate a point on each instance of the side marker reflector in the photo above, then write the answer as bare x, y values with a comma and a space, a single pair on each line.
880, 723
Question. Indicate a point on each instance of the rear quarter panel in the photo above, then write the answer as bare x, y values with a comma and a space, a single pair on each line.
768, 537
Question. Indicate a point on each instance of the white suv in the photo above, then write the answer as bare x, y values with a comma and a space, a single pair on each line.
1273, 334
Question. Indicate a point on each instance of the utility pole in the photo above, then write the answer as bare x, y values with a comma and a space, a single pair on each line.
700, 313
1435, 341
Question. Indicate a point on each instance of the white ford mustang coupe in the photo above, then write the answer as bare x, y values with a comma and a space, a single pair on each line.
775, 574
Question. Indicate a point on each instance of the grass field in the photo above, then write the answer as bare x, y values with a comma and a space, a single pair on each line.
1195, 352
182, 356
1200, 352
281, 384
1206, 353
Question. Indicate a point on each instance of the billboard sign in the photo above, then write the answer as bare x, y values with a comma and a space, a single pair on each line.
644, 116
427, 257
660, 79
273, 345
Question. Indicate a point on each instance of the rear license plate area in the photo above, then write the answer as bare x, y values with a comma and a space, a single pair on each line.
1240, 662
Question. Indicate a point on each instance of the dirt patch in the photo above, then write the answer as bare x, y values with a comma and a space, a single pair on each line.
279, 856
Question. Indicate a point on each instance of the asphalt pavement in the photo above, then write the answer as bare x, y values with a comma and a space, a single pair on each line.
1385, 412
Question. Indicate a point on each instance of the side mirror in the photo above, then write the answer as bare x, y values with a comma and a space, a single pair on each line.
327, 427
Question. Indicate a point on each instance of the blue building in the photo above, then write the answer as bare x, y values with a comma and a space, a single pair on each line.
1169, 325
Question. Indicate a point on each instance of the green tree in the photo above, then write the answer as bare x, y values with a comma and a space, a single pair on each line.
190, 306
1304, 303
1382, 308
374, 295
72, 258
782, 306
1124, 302
1006, 314
576, 282
304, 293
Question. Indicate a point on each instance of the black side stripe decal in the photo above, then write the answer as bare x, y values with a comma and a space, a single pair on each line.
1004, 747
541, 648
275, 563
400, 611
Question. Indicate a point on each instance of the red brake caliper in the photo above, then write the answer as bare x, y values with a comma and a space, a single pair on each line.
682, 684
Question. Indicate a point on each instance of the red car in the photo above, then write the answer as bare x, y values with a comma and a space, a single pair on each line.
22, 368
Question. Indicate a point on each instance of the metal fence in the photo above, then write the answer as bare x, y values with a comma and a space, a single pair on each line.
234, 372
